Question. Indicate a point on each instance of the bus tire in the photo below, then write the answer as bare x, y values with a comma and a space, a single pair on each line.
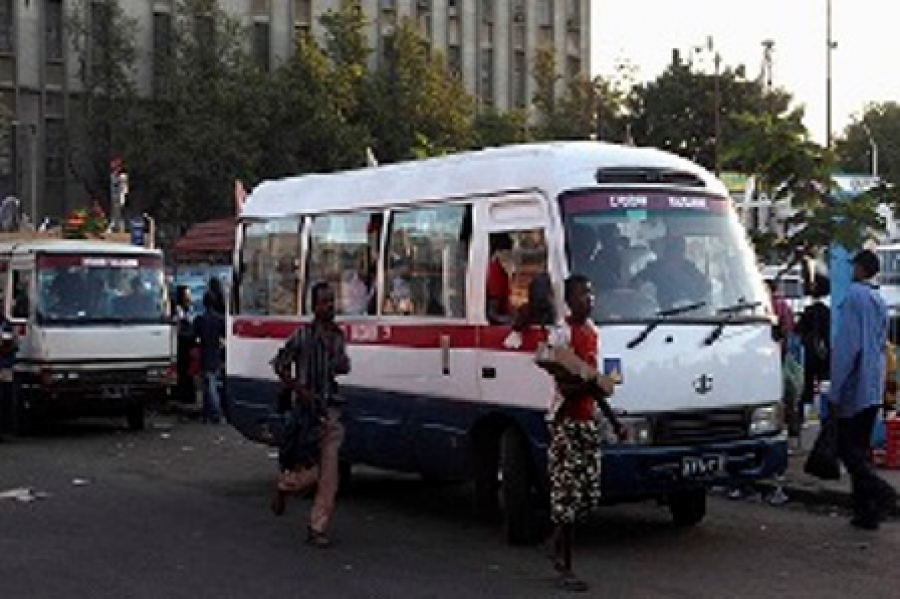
136, 417
486, 475
517, 489
688, 508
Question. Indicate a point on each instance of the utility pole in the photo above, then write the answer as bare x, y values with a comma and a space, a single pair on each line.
717, 106
874, 147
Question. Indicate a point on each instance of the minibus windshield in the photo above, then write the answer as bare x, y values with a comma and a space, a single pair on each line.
84, 289
649, 252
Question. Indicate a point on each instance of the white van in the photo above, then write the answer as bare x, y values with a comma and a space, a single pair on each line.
684, 318
93, 327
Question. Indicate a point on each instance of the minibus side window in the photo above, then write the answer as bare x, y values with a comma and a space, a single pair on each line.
526, 259
425, 266
268, 268
344, 251
21, 298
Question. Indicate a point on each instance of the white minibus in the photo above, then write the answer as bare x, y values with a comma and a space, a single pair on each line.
685, 323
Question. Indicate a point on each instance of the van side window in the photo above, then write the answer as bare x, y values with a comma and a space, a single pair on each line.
425, 266
343, 250
268, 267
21, 299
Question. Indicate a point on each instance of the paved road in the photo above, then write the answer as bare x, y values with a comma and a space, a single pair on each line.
180, 510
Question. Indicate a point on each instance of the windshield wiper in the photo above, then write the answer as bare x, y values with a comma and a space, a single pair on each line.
659, 318
729, 312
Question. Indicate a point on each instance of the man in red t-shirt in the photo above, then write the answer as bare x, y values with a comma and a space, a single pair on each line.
498, 287
574, 453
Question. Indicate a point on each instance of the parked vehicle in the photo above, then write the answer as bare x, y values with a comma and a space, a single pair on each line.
92, 317
434, 386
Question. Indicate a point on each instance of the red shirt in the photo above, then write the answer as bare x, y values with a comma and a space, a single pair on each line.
585, 342
498, 287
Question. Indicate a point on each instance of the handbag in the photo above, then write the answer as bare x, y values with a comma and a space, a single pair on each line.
822, 461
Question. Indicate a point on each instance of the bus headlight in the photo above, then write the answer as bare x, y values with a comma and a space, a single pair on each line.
638, 430
766, 419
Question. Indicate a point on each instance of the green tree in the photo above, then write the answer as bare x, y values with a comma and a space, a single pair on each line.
494, 128
677, 110
582, 108
103, 37
203, 125
879, 125
416, 105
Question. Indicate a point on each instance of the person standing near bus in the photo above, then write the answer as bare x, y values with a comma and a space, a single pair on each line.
857, 387
574, 453
498, 287
209, 328
317, 353
185, 393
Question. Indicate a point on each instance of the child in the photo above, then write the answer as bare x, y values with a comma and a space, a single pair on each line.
574, 456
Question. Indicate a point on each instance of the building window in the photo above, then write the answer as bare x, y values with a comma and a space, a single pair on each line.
454, 59
303, 12
486, 77
425, 266
520, 77
54, 30
423, 17
545, 13
261, 44
269, 262
573, 67
518, 11
7, 29
573, 14
487, 11
55, 153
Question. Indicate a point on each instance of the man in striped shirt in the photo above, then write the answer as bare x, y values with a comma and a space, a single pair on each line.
317, 353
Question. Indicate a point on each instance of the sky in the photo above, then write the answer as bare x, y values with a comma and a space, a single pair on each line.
865, 64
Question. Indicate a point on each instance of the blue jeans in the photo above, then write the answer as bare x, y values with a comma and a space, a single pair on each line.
212, 407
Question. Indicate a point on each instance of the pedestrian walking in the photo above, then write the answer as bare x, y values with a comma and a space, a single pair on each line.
575, 436
317, 354
185, 392
857, 385
814, 330
209, 328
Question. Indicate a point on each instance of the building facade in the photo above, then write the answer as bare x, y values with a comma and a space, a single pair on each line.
491, 44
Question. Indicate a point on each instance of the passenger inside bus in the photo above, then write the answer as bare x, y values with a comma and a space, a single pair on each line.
674, 278
498, 284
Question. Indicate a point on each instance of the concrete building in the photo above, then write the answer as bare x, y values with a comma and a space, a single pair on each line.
490, 43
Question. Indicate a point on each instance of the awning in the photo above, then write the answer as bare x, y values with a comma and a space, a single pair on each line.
212, 239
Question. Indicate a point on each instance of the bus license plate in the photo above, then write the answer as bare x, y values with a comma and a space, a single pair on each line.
702, 466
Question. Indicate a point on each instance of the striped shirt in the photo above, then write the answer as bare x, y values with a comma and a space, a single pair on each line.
319, 354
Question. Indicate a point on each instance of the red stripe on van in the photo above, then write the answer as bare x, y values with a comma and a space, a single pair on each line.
413, 335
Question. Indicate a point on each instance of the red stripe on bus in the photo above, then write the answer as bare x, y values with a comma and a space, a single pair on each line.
412, 335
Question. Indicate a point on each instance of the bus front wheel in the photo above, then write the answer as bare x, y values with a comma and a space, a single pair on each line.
517, 489
688, 508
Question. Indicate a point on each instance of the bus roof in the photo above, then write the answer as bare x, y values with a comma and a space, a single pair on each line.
552, 167
71, 246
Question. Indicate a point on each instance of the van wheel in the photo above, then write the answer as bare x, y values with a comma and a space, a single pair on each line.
517, 489
136, 417
688, 508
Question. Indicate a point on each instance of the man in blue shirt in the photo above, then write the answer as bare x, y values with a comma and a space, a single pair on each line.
857, 386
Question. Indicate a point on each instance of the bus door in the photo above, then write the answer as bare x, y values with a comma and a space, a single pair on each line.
511, 249
428, 368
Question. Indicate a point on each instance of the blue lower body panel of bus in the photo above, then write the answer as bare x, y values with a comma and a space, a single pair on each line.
406, 433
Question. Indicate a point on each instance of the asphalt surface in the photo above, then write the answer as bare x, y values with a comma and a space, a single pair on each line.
181, 510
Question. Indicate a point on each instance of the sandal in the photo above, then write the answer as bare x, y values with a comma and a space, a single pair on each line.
317, 538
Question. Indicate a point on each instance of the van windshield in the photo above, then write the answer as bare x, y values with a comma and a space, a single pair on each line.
80, 289
652, 251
